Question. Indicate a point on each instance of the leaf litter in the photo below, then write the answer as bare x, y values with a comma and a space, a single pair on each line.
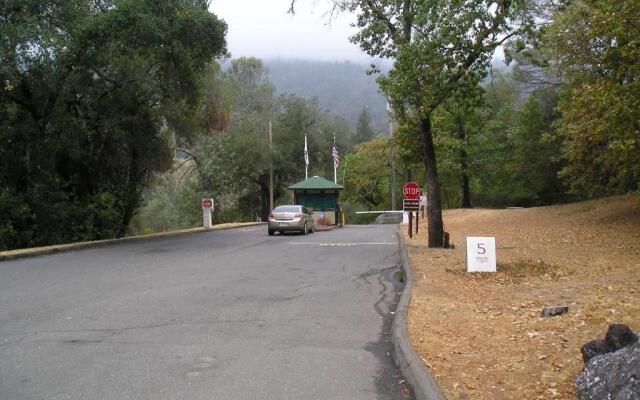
481, 334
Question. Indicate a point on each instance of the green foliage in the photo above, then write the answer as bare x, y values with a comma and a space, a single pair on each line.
364, 132
595, 46
516, 157
86, 89
367, 175
441, 49
448, 52
159, 212
536, 156
232, 165
456, 123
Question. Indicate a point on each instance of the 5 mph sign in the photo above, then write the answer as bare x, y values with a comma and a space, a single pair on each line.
481, 254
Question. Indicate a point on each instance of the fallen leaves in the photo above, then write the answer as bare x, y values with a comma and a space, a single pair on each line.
482, 335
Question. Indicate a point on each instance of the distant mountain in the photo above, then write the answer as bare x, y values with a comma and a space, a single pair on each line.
343, 88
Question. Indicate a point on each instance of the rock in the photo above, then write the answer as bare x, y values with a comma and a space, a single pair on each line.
619, 336
614, 376
594, 348
553, 311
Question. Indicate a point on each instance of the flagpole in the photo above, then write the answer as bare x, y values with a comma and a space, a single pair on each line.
306, 159
270, 168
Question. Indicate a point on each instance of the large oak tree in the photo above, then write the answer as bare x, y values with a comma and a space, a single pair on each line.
439, 48
92, 92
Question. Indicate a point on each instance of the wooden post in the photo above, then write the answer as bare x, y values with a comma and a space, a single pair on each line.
417, 219
410, 225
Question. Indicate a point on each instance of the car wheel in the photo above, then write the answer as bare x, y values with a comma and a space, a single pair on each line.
304, 229
270, 232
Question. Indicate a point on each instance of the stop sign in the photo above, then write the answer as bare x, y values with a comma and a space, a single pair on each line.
411, 191
207, 203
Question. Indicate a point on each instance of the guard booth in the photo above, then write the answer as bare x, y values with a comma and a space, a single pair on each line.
321, 196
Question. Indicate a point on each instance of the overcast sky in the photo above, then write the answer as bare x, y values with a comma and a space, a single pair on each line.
263, 29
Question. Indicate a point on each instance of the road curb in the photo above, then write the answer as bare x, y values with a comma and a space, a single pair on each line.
422, 384
326, 228
41, 251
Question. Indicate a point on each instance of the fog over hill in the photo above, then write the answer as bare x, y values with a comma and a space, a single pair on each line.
343, 88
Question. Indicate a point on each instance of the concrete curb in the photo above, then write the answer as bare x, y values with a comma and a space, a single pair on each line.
422, 384
41, 251
326, 228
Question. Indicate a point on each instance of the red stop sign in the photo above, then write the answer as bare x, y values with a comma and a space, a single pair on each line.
411, 191
207, 203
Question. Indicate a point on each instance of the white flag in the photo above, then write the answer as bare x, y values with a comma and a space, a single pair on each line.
306, 153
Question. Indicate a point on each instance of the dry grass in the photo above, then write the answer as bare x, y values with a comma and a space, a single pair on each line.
481, 335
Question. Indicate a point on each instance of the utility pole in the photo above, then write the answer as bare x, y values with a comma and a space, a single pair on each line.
270, 169
393, 162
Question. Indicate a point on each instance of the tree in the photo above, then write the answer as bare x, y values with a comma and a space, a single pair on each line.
367, 181
234, 165
455, 122
91, 94
537, 149
516, 154
594, 46
493, 183
439, 48
364, 132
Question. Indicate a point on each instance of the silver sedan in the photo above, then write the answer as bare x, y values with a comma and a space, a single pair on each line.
291, 218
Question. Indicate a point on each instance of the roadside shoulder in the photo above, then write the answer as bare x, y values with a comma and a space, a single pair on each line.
422, 384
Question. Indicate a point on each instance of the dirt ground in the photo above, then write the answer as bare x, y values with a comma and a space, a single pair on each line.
481, 335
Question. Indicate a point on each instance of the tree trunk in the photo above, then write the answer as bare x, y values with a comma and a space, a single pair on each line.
132, 195
264, 201
435, 226
466, 193
464, 164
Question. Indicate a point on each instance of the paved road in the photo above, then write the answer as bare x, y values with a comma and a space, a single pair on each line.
220, 315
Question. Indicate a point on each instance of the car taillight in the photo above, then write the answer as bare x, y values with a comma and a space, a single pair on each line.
298, 215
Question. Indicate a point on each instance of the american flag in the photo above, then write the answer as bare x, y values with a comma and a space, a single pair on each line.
306, 153
336, 157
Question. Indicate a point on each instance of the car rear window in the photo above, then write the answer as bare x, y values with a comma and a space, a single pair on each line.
293, 209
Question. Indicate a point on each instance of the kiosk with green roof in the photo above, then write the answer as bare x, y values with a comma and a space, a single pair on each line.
321, 196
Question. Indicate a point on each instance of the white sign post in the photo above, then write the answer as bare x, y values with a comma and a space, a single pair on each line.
481, 254
207, 205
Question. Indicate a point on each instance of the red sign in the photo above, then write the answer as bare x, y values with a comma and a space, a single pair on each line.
411, 191
207, 203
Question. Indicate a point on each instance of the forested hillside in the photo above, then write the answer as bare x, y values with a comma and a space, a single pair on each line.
342, 88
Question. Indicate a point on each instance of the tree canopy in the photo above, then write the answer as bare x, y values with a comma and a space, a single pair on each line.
594, 46
92, 93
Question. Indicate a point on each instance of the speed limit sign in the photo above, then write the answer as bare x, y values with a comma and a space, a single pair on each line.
481, 254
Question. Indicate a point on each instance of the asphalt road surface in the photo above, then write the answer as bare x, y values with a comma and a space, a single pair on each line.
219, 315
